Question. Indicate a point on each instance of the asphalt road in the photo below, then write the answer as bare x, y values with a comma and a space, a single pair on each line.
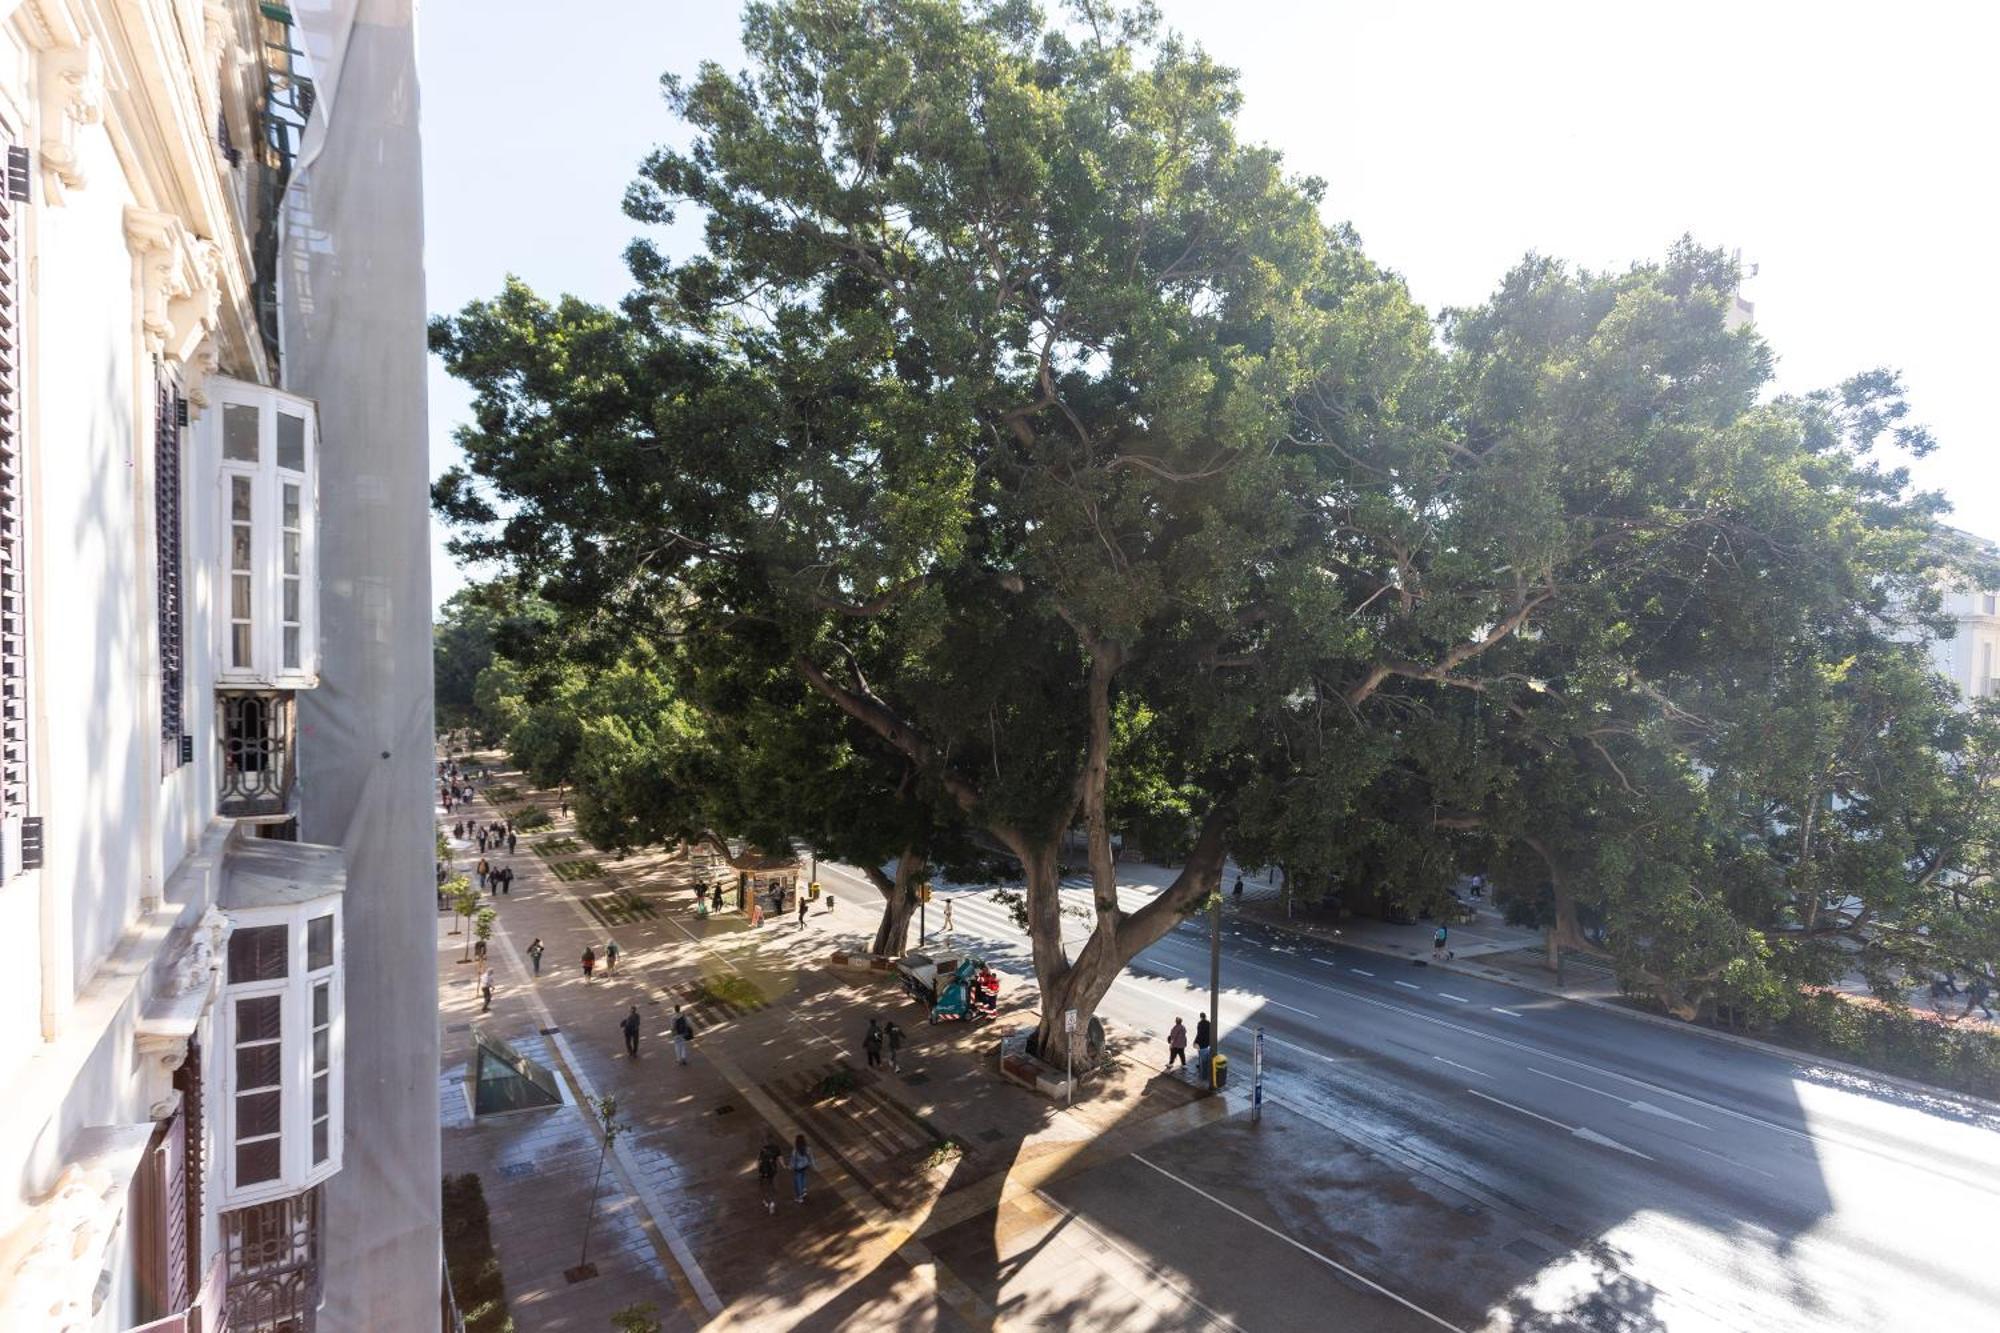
1695, 1183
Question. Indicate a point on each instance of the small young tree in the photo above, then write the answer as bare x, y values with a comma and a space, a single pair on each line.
482, 927
464, 899
639, 1318
607, 1114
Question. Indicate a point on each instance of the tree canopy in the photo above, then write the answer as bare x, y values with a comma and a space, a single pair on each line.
1017, 413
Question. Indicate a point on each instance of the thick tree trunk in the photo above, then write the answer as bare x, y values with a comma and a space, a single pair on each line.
1116, 939
899, 902
1566, 932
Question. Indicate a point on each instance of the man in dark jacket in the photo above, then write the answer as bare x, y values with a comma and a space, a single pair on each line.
630, 1023
1204, 1037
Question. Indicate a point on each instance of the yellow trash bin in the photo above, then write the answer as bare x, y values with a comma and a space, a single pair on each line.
1218, 1071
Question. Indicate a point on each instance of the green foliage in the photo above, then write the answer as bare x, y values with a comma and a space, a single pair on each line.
501, 791
641, 1317
731, 989
942, 1153
834, 1084
1895, 1042
570, 871
528, 818
551, 848
482, 924
1023, 444
469, 1258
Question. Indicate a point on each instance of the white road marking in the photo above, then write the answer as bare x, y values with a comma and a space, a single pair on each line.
1770, 1175
1587, 1135
1357, 971
1164, 967
1479, 1073
1509, 1012
1409, 985
1646, 1108
1073, 1218
1301, 1246
1294, 1009
1449, 996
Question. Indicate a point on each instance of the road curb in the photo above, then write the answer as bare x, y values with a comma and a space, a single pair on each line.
1788, 1053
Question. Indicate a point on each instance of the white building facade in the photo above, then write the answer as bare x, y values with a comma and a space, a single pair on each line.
1971, 658
174, 1027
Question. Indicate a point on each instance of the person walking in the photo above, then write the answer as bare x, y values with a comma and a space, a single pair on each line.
683, 1034
1237, 892
802, 911
768, 1157
715, 898
756, 912
510, 842
802, 1162
871, 1044
589, 962
894, 1035
506, 880
947, 917
1976, 991
1177, 1045
486, 990
630, 1024
610, 957
1438, 952
535, 954
485, 871
1203, 1039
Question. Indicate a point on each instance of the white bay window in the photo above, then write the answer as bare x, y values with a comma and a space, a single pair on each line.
264, 444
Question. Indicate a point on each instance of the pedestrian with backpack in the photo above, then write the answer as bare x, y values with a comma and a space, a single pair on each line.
683, 1034
535, 954
767, 1171
610, 957
871, 1044
802, 1162
1438, 952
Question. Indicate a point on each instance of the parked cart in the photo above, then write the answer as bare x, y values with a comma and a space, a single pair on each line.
951, 986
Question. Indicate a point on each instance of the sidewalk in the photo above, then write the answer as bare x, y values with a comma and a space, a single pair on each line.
943, 1198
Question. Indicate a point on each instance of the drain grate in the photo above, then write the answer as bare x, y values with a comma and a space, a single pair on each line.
725, 1109
550, 1032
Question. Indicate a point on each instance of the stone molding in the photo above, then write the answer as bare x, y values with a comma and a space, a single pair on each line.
69, 75
180, 291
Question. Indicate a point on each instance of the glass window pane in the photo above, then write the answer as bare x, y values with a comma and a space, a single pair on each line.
259, 1066
291, 506
256, 1162
239, 546
239, 432
257, 1114
291, 442
291, 553
319, 953
291, 649
257, 953
320, 1086
257, 1019
320, 1045
239, 499
319, 1143
239, 597
292, 600
239, 646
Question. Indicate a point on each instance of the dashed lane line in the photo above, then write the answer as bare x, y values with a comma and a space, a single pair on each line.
1409, 985
1357, 971
1509, 1012
1478, 1073
1449, 996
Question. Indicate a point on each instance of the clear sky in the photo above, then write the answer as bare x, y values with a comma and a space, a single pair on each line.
1848, 150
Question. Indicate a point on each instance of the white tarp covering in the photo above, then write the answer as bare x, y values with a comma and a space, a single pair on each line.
353, 338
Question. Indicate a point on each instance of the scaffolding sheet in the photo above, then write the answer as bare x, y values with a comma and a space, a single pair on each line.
352, 325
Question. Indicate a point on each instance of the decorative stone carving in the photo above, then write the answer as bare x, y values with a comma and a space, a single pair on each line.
71, 77
179, 281
59, 1282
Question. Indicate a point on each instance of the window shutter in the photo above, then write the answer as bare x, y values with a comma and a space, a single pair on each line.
17, 176
13, 581
31, 843
171, 408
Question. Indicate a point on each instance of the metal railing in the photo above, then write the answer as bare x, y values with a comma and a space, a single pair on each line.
259, 763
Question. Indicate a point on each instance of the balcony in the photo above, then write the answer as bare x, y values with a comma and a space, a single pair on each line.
259, 765
261, 446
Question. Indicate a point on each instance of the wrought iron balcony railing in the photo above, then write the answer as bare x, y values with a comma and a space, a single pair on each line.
259, 764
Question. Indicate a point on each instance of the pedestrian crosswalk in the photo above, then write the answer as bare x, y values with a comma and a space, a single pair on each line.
977, 915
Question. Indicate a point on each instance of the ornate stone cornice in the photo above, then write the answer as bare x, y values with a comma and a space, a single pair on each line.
179, 283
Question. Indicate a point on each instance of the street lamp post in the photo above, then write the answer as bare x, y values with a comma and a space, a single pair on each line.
1214, 982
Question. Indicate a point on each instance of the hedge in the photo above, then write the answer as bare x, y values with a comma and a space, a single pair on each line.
1959, 1056
469, 1258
